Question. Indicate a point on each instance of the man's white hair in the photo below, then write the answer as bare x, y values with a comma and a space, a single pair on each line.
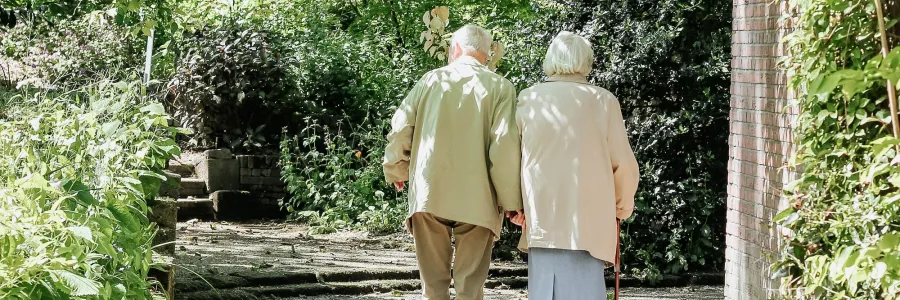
472, 38
569, 54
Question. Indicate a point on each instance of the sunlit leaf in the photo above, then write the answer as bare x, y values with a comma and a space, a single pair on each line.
80, 286
82, 232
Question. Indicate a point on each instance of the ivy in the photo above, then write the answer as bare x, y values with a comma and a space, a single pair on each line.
842, 225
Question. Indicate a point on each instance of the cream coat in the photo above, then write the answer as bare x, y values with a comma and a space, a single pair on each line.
454, 138
578, 171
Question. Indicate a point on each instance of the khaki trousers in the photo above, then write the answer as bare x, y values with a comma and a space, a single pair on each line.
435, 254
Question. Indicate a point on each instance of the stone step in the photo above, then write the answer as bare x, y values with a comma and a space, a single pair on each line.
306, 289
183, 170
196, 208
334, 288
192, 187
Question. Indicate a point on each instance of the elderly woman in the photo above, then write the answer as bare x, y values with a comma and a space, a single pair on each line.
579, 176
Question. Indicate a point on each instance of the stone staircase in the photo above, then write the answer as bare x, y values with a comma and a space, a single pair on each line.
223, 186
194, 200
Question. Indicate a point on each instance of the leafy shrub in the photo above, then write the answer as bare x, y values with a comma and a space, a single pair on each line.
841, 237
339, 174
228, 86
76, 172
73, 52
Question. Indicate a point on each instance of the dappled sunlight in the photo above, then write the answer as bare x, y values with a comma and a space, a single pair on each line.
274, 247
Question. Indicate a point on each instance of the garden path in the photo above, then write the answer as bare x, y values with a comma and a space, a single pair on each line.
277, 260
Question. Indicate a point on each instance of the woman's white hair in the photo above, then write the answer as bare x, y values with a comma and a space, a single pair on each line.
569, 54
472, 38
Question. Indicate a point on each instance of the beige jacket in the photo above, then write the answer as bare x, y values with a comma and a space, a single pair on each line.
578, 171
454, 138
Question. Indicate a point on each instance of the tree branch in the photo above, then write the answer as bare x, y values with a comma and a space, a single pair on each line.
396, 23
891, 92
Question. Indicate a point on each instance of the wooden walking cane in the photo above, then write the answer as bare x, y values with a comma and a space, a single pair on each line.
617, 267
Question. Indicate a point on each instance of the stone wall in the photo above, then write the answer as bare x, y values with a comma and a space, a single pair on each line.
760, 144
164, 212
261, 176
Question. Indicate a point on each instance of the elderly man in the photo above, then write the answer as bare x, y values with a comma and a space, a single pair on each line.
455, 140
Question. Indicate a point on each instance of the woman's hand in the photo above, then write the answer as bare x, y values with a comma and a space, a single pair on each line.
516, 217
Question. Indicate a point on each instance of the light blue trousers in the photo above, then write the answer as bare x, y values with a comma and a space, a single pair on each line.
555, 274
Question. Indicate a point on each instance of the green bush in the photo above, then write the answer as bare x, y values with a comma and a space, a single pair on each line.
76, 172
668, 63
73, 52
230, 88
335, 179
842, 227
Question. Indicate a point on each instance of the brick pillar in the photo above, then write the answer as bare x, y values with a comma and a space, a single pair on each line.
760, 144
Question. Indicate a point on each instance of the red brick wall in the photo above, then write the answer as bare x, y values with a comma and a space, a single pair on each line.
760, 143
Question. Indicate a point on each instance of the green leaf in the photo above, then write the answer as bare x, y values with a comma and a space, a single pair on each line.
79, 285
111, 128
784, 214
889, 242
884, 144
890, 24
861, 114
134, 5
82, 232
81, 192
828, 84
841, 262
34, 181
155, 109
875, 170
884, 116
126, 220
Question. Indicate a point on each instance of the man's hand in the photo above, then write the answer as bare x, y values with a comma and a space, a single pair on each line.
399, 185
516, 217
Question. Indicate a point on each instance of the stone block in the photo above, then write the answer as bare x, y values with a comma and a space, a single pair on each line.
193, 184
249, 181
233, 204
165, 275
260, 161
256, 173
218, 154
245, 172
268, 172
197, 208
170, 188
165, 237
183, 170
271, 181
243, 205
220, 174
164, 212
